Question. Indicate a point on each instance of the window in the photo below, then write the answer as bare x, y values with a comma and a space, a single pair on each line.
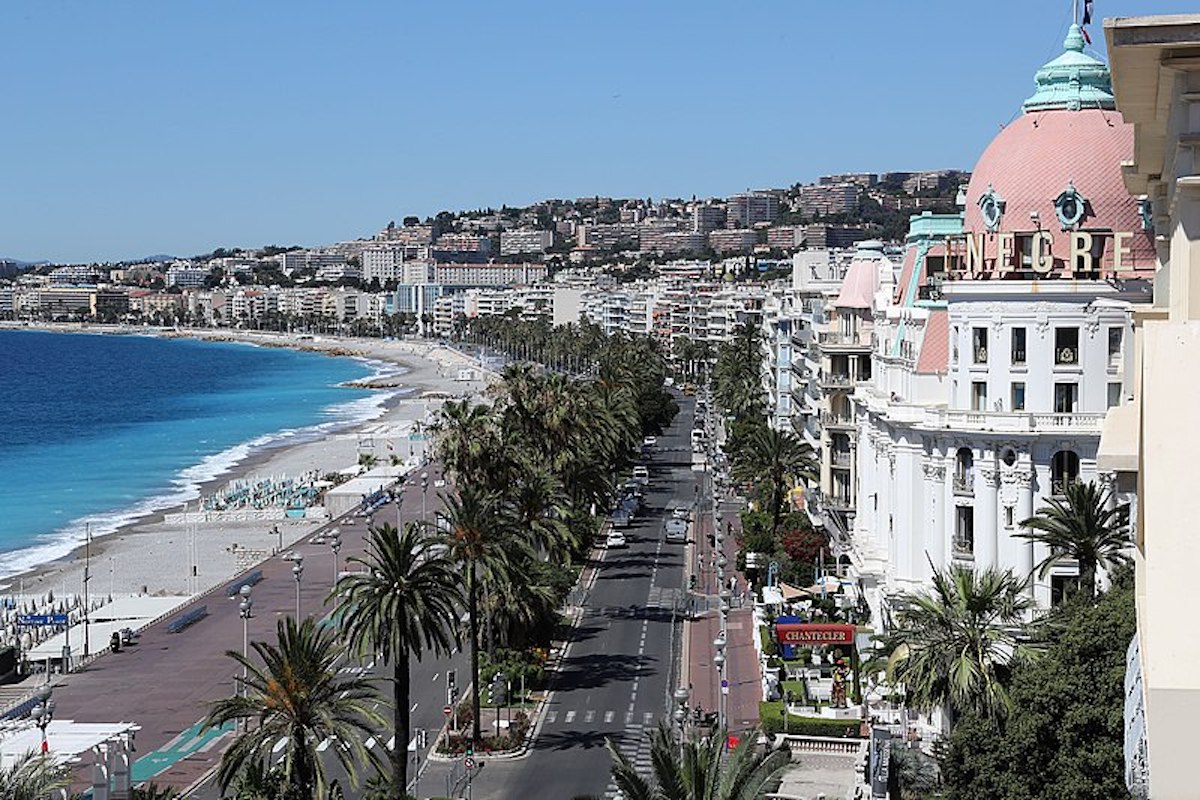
964, 531
1066, 345
1066, 395
979, 344
1018, 345
1114, 394
1018, 396
1008, 516
964, 471
979, 395
954, 340
1116, 343
1061, 587
1064, 470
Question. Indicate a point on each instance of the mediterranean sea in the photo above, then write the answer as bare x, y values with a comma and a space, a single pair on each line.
100, 430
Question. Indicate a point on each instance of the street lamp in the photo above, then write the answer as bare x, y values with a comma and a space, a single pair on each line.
424, 487
297, 571
43, 711
335, 544
279, 532
681, 704
244, 612
719, 662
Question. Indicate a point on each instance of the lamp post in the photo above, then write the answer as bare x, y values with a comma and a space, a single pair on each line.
244, 612
681, 712
297, 571
43, 711
335, 544
424, 488
279, 533
719, 663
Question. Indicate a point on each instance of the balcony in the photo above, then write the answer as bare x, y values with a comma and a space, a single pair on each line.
840, 460
1058, 486
1015, 422
844, 342
964, 485
843, 421
963, 547
827, 381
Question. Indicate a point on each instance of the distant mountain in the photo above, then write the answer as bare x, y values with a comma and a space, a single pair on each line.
24, 264
158, 259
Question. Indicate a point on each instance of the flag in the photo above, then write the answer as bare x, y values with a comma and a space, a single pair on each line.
1087, 20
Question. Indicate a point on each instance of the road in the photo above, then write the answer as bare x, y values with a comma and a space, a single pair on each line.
621, 667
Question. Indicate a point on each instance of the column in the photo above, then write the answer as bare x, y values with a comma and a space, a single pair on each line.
935, 529
121, 782
986, 542
100, 772
1024, 511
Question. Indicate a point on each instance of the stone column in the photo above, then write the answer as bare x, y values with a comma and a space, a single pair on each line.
986, 522
100, 772
121, 777
1024, 511
935, 518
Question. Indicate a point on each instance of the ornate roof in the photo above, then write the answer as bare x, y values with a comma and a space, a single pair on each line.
1073, 81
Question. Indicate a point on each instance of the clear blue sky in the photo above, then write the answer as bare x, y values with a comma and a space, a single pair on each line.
132, 128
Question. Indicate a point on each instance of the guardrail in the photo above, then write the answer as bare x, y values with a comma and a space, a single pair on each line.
187, 620
818, 744
250, 580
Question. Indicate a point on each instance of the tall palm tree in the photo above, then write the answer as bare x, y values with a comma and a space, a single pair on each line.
1083, 525
954, 646
33, 776
401, 604
776, 458
700, 772
466, 439
297, 696
483, 538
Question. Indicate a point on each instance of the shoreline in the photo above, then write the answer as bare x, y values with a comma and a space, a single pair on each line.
417, 375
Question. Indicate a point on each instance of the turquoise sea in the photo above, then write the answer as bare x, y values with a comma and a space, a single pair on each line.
102, 429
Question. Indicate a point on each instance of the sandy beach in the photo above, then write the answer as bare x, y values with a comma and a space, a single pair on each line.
154, 555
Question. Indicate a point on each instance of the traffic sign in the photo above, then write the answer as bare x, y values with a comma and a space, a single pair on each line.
447, 710
469, 763
42, 619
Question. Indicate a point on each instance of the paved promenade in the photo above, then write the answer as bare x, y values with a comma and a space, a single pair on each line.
166, 681
741, 667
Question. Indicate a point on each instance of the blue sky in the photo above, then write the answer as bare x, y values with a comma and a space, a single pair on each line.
132, 128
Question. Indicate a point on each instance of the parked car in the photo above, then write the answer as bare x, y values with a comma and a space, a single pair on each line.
642, 475
675, 530
650, 441
615, 539
682, 513
621, 518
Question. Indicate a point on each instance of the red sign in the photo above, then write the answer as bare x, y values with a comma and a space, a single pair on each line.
814, 634
447, 710
732, 741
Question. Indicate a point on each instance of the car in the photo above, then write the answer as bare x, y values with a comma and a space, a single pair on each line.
682, 512
675, 530
650, 441
615, 539
641, 475
621, 518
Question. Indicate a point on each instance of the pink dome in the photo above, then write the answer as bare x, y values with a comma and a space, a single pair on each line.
1042, 153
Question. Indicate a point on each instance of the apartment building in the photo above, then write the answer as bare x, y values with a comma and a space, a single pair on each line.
525, 240
828, 199
751, 208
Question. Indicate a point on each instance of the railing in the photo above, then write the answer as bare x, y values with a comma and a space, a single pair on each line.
1014, 421
981, 355
819, 744
834, 380
964, 485
1066, 355
963, 547
840, 459
839, 339
831, 420
1058, 486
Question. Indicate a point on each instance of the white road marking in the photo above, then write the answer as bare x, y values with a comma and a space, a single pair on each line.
647, 718
570, 717
370, 742
608, 716
282, 743
589, 716
436, 675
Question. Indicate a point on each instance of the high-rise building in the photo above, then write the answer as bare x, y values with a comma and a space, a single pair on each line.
751, 208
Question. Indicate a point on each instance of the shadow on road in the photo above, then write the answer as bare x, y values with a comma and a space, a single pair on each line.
596, 670
568, 740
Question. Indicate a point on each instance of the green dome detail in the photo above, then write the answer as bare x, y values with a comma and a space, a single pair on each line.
1072, 81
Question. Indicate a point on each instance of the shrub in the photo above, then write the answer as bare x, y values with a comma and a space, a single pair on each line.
770, 716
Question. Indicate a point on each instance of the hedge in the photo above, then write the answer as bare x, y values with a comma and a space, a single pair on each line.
770, 716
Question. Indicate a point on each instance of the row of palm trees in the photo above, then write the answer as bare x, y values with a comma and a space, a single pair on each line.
530, 471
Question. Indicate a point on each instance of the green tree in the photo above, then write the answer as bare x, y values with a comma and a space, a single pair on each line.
775, 458
297, 696
401, 604
33, 776
482, 537
955, 646
1084, 525
1065, 735
703, 771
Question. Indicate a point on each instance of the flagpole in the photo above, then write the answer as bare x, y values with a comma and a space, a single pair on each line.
1075, 11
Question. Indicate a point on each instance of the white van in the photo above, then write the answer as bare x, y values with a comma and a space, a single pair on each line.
698, 438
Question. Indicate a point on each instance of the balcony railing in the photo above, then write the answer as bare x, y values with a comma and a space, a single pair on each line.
1058, 486
963, 547
964, 485
831, 420
843, 340
1066, 355
1013, 421
835, 380
840, 459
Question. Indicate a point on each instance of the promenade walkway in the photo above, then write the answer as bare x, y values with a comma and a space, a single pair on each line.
741, 666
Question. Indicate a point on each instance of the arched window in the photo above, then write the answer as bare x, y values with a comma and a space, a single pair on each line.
1064, 470
964, 471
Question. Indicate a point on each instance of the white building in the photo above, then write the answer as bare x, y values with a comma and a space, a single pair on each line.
383, 264
1001, 348
518, 242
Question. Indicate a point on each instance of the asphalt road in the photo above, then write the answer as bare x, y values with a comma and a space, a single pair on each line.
621, 668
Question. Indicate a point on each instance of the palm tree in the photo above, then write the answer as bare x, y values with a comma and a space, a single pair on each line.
297, 696
483, 538
698, 771
954, 647
403, 602
1084, 526
33, 776
777, 458
467, 440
